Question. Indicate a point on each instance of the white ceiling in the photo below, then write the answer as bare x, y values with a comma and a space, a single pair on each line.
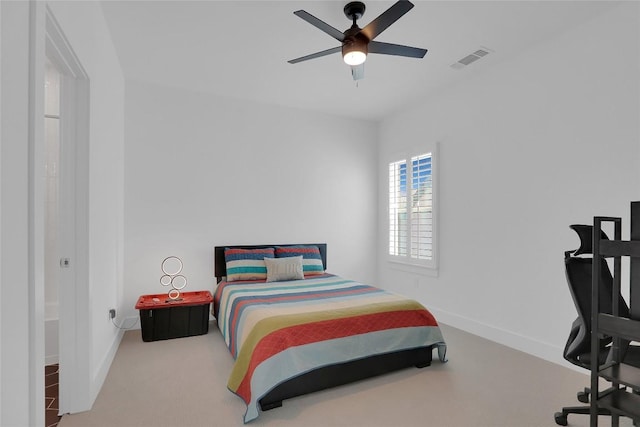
240, 48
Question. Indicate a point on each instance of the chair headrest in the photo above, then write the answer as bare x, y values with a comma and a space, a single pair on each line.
585, 232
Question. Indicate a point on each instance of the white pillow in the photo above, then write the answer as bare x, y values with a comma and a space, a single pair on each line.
279, 269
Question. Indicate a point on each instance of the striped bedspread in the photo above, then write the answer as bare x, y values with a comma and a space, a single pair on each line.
279, 330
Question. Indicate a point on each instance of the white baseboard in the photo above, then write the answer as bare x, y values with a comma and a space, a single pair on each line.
51, 341
51, 359
131, 323
103, 369
543, 350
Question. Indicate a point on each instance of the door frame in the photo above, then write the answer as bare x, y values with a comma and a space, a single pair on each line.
73, 301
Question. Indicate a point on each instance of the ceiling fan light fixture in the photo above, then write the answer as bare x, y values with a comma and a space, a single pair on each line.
354, 52
354, 58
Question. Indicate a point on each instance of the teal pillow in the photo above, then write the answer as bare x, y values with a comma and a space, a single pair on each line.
247, 264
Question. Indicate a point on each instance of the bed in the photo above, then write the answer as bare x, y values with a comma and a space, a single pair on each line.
294, 329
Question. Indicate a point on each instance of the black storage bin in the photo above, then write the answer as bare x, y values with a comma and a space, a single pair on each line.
163, 319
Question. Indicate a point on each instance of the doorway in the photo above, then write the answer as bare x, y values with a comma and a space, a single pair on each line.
67, 218
51, 210
51, 251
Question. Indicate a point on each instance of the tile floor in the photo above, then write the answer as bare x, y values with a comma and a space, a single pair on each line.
51, 396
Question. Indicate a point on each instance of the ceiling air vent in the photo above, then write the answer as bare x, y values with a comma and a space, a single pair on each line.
472, 57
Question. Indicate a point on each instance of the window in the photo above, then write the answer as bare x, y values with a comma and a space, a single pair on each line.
411, 210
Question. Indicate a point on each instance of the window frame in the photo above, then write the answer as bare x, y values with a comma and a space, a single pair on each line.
407, 262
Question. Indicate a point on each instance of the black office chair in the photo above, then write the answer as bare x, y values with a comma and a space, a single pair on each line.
578, 347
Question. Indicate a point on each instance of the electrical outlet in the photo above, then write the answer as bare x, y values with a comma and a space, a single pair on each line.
112, 313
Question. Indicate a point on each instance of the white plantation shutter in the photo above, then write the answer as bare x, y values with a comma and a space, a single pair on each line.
421, 207
411, 210
398, 208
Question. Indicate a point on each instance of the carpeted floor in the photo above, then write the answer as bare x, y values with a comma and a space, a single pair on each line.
182, 382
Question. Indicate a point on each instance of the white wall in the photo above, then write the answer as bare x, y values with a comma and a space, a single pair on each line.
203, 171
14, 228
1, 223
22, 169
538, 142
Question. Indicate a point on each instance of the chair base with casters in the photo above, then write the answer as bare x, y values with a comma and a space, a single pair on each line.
583, 396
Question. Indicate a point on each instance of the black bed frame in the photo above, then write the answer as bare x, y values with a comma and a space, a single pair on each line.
332, 375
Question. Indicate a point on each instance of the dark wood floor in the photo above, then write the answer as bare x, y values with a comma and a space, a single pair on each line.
51, 417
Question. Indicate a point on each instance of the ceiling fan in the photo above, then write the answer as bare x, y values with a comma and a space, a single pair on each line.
358, 42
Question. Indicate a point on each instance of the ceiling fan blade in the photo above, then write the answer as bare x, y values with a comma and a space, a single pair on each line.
396, 49
316, 55
357, 72
388, 17
333, 32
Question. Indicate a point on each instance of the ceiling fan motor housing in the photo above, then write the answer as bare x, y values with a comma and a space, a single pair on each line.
354, 40
354, 10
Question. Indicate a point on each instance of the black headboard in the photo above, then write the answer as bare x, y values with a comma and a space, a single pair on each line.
220, 266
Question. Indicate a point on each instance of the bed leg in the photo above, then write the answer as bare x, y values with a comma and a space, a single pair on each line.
270, 405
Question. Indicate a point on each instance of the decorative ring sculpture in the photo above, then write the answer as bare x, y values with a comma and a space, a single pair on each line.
171, 267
